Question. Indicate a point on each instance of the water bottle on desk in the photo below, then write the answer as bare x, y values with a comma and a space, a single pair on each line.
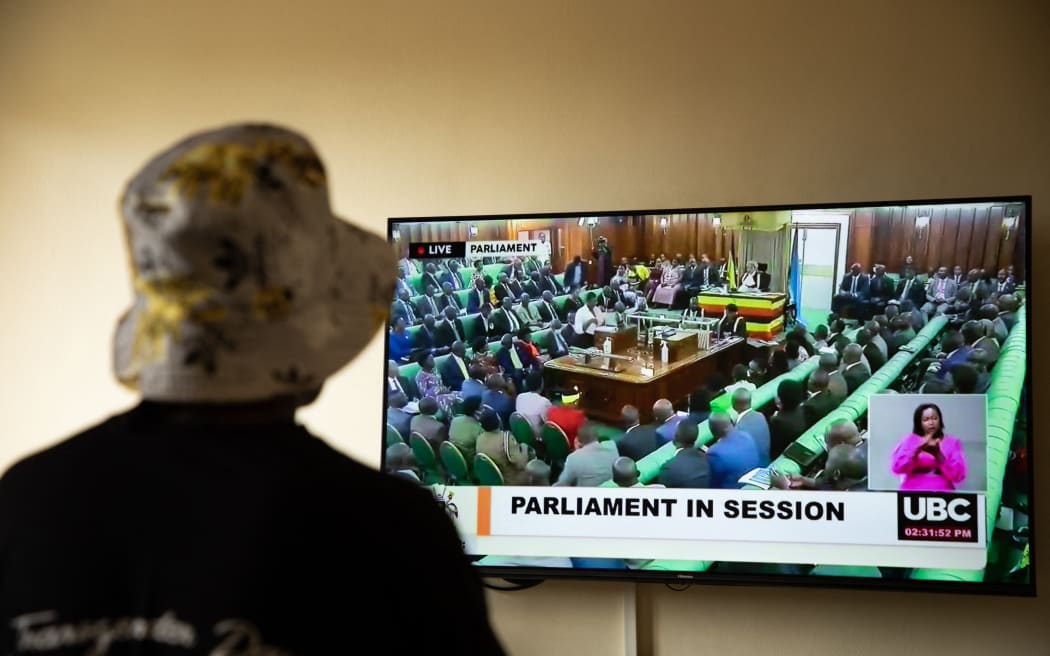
607, 346
665, 353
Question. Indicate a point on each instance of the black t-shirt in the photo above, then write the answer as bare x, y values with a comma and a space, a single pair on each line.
140, 536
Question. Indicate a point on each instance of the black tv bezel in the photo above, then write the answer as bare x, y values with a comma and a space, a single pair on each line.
538, 574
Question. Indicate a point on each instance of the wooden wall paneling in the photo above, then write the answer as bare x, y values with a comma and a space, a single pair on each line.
964, 236
949, 233
979, 238
994, 244
1019, 236
859, 243
881, 236
935, 242
913, 243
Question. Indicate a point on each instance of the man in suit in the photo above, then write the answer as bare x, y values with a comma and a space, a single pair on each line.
454, 369
402, 284
514, 360
940, 292
560, 339
428, 339
504, 321
549, 282
666, 421
515, 287
590, 464
449, 330
474, 385
427, 424
449, 299
869, 351
689, 467
699, 406
829, 364
451, 276
875, 329
956, 348
958, 277
764, 277
751, 422
820, 401
901, 334
691, 280
789, 422
534, 286
732, 454
638, 441
396, 415
915, 316
880, 290
980, 335
396, 383
488, 327
853, 292
430, 276
496, 397
1003, 284
525, 317
403, 309
547, 310
853, 369
428, 302
478, 297
576, 273
908, 288
502, 289
607, 298
1008, 305
574, 302
978, 287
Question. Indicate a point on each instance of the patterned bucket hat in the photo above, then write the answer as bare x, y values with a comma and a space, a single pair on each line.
246, 286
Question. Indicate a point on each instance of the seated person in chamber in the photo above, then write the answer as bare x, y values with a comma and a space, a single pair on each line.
560, 339
450, 329
455, 369
751, 281
451, 276
429, 383
693, 311
567, 416
842, 433
670, 282
478, 297
590, 464
689, 467
538, 473
428, 425
638, 440
497, 398
880, 290
927, 459
667, 420
531, 404
403, 308
789, 421
464, 429
732, 324
450, 300
852, 294
395, 382
399, 343
515, 360
731, 455
625, 473
908, 288
523, 311
510, 457
940, 292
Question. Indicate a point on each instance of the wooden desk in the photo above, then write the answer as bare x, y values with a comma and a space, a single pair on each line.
606, 392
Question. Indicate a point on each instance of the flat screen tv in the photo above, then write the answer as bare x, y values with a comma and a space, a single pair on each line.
825, 394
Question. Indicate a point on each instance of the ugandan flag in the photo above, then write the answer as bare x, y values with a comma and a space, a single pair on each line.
731, 271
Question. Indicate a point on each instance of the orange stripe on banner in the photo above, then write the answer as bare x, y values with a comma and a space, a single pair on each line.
484, 510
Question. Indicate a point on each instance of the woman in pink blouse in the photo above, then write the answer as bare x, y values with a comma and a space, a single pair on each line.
928, 459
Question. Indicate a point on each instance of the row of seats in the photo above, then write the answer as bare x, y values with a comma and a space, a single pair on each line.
465, 273
1004, 401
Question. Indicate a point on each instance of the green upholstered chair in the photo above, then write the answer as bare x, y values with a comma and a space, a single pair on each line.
455, 464
461, 296
555, 442
425, 458
393, 436
487, 472
493, 270
560, 277
409, 371
471, 326
416, 283
413, 334
540, 337
521, 429
464, 276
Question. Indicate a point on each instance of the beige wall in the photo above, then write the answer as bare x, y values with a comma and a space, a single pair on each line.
478, 107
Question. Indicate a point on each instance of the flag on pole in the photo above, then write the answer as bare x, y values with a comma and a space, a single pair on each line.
731, 271
795, 282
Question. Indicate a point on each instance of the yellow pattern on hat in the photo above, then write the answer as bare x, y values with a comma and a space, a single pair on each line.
170, 302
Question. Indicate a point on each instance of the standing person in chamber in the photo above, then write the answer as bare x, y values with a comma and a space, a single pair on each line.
603, 258
543, 249
853, 291
732, 324
927, 459
732, 454
220, 380
588, 318
576, 273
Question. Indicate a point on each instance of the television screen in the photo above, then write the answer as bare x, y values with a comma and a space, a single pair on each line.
814, 394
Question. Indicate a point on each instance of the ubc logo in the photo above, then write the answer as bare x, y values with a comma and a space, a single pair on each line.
937, 509
937, 517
